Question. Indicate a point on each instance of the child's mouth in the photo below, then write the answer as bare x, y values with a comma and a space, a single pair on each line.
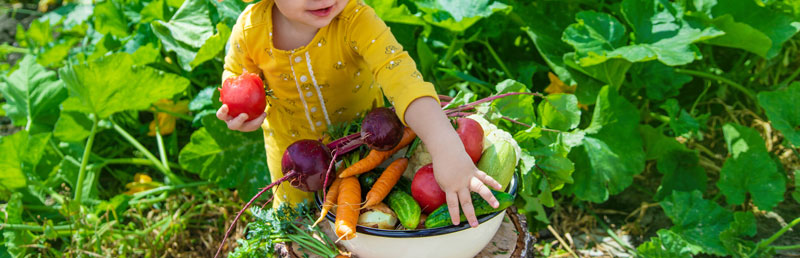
322, 12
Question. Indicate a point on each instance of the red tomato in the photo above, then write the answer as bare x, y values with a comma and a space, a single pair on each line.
471, 134
244, 94
426, 191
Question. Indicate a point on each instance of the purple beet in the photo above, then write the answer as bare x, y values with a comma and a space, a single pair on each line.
381, 129
308, 160
305, 164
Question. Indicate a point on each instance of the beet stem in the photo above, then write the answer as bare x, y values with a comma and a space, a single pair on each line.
491, 98
529, 126
285, 177
268, 201
460, 114
328, 173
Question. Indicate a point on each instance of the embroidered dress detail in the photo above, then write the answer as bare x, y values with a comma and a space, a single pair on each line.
319, 93
303, 99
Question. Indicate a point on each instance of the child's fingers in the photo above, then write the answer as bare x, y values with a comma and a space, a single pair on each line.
466, 205
222, 113
254, 124
452, 207
236, 123
488, 180
477, 186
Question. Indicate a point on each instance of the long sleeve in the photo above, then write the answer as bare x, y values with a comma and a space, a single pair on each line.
393, 69
237, 58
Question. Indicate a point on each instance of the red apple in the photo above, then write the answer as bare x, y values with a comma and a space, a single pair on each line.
471, 134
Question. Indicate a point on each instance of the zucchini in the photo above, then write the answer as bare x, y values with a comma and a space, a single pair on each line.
498, 161
441, 216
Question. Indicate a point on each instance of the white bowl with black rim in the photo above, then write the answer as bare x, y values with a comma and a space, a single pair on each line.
452, 241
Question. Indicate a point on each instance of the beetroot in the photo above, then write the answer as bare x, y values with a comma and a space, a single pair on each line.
305, 164
381, 129
426, 191
244, 94
308, 159
471, 134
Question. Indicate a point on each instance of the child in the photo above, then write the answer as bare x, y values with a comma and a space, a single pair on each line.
326, 61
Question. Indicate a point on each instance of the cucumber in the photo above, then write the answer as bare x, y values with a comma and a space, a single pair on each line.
406, 208
368, 179
441, 216
498, 161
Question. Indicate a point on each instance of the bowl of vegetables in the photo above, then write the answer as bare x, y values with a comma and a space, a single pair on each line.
409, 212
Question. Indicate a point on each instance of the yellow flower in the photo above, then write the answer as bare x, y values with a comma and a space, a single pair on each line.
141, 182
558, 86
166, 122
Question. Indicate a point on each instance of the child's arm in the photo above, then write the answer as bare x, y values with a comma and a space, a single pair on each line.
452, 167
416, 103
237, 60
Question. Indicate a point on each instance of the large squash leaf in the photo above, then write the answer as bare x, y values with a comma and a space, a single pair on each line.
112, 84
782, 111
611, 152
227, 158
32, 96
698, 221
749, 170
186, 31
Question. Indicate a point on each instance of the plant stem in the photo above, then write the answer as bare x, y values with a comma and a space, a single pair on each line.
497, 58
613, 235
178, 115
790, 78
85, 161
136, 161
146, 153
660, 117
786, 247
775, 236
166, 188
34, 228
161, 152
706, 75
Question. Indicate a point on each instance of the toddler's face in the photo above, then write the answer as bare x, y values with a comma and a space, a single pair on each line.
315, 13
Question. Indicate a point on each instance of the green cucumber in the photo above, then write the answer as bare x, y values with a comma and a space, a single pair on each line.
441, 216
406, 208
399, 199
498, 161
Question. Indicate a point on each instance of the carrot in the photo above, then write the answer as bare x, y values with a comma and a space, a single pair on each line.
386, 181
349, 202
375, 157
330, 200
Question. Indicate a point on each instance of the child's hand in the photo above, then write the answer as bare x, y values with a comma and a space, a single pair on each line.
240, 122
458, 176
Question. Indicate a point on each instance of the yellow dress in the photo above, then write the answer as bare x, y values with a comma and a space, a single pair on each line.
341, 74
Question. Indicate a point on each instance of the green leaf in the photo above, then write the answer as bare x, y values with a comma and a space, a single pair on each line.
611, 153
228, 10
659, 81
749, 169
740, 35
682, 172
186, 31
560, 112
392, 11
39, 33
546, 34
145, 55
108, 18
117, 205
32, 96
213, 45
52, 57
461, 98
15, 240
226, 157
595, 34
70, 15
796, 193
775, 25
456, 15
202, 99
681, 122
698, 221
517, 107
106, 44
155, 10
782, 111
20, 154
611, 72
656, 144
112, 84
72, 126
666, 245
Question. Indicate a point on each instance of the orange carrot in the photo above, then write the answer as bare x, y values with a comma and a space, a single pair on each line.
348, 206
330, 200
386, 181
375, 157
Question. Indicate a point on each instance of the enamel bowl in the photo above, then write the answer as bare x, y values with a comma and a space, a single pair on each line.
452, 241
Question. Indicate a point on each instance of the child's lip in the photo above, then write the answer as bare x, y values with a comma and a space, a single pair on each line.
322, 12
